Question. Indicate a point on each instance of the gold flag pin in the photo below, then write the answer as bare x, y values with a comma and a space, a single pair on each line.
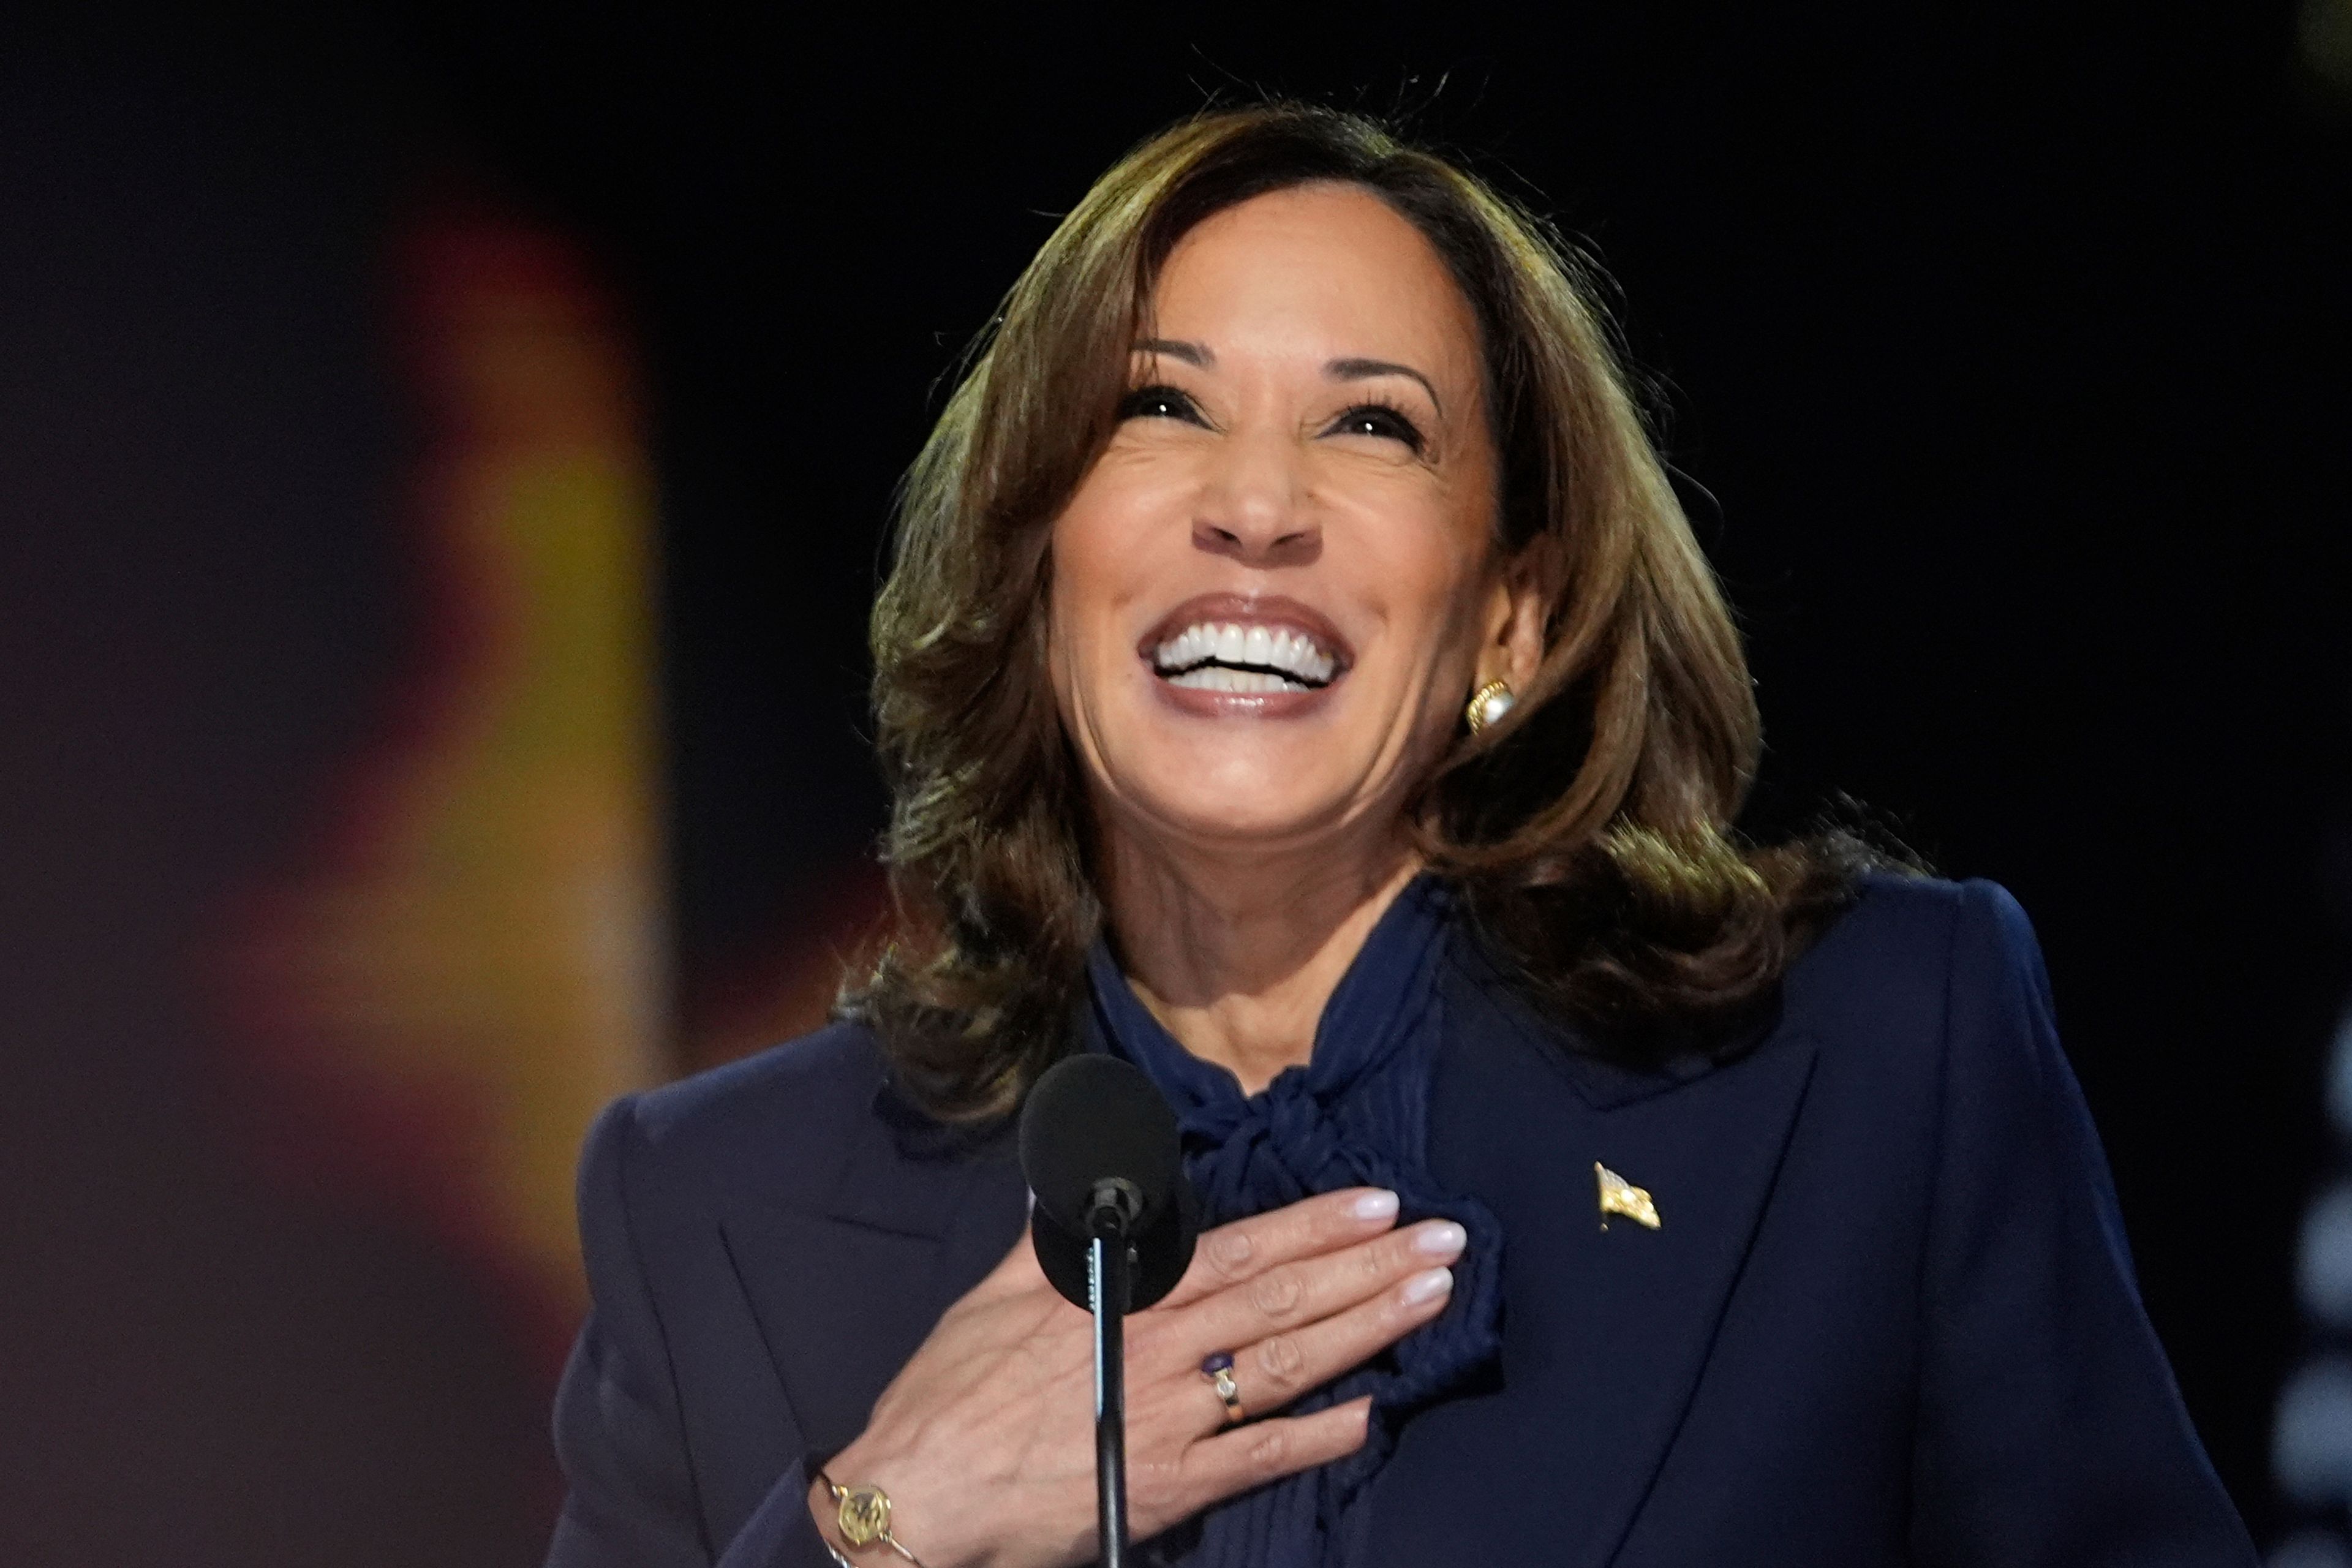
1620, 1197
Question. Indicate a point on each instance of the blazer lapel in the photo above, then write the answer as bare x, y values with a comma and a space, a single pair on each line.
1707, 1154
845, 1289
1610, 1327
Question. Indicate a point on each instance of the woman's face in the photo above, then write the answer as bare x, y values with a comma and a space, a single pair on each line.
1275, 590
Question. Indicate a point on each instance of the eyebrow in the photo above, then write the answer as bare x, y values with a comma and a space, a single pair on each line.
1198, 356
1177, 348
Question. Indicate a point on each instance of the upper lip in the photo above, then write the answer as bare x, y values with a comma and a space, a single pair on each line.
1269, 610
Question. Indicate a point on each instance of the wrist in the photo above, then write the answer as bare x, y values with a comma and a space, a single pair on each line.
867, 1528
827, 1515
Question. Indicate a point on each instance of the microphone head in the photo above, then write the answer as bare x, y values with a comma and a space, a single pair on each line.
1158, 1254
1093, 1118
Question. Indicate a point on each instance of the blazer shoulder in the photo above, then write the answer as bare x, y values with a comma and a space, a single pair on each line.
1908, 953
782, 1120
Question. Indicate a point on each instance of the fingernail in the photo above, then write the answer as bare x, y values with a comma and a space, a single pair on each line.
1442, 1239
1375, 1205
1423, 1289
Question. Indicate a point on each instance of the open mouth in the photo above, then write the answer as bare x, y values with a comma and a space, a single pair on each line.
1262, 651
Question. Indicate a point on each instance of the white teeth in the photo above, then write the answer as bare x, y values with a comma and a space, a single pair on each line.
1267, 648
1246, 682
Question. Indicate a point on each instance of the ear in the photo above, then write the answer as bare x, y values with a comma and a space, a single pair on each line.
1512, 649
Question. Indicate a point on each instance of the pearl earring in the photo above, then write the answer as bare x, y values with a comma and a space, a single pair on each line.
1487, 704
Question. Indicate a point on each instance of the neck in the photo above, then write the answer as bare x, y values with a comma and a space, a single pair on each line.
1236, 955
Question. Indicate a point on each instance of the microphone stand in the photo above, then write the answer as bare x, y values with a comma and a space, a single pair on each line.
1113, 1212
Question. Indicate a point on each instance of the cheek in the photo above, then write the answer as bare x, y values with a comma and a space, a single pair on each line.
1065, 632
1091, 573
1111, 543
1432, 571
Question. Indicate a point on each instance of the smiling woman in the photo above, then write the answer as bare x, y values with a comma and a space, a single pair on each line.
1267, 333
1284, 436
1296, 677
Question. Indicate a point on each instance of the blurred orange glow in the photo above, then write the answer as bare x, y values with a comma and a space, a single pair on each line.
471, 957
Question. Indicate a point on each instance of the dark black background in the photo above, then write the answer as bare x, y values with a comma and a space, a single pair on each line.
2001, 353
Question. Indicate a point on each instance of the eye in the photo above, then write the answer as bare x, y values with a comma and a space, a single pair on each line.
1379, 419
1159, 403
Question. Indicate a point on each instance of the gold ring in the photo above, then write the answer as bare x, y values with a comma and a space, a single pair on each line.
1219, 1370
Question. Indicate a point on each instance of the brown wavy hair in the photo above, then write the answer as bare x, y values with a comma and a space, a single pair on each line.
1589, 831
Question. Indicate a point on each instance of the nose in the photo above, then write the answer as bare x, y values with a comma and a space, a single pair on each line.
1255, 506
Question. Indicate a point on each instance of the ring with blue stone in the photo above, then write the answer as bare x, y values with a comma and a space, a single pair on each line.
1219, 1370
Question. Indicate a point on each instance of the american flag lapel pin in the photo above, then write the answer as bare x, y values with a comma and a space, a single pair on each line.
1621, 1197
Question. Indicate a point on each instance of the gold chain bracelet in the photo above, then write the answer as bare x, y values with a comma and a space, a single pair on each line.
865, 1517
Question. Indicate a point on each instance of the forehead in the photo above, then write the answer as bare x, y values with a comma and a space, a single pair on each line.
1328, 269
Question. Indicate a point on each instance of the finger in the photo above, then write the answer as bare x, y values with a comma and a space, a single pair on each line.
1293, 1294
1217, 1467
1232, 1253
1280, 1367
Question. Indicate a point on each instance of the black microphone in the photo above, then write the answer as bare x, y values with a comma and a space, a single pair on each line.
1114, 1226
1095, 1130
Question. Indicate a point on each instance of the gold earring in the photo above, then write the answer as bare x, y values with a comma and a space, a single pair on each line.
1487, 704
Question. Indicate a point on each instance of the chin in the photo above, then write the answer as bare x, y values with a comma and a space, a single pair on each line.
1239, 808
1236, 781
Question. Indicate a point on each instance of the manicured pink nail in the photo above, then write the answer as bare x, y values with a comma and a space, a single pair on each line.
1423, 1288
1381, 1205
1444, 1239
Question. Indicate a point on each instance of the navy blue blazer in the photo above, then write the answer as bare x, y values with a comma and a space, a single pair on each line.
1888, 1318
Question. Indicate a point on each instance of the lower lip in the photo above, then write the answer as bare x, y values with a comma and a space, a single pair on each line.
1205, 704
